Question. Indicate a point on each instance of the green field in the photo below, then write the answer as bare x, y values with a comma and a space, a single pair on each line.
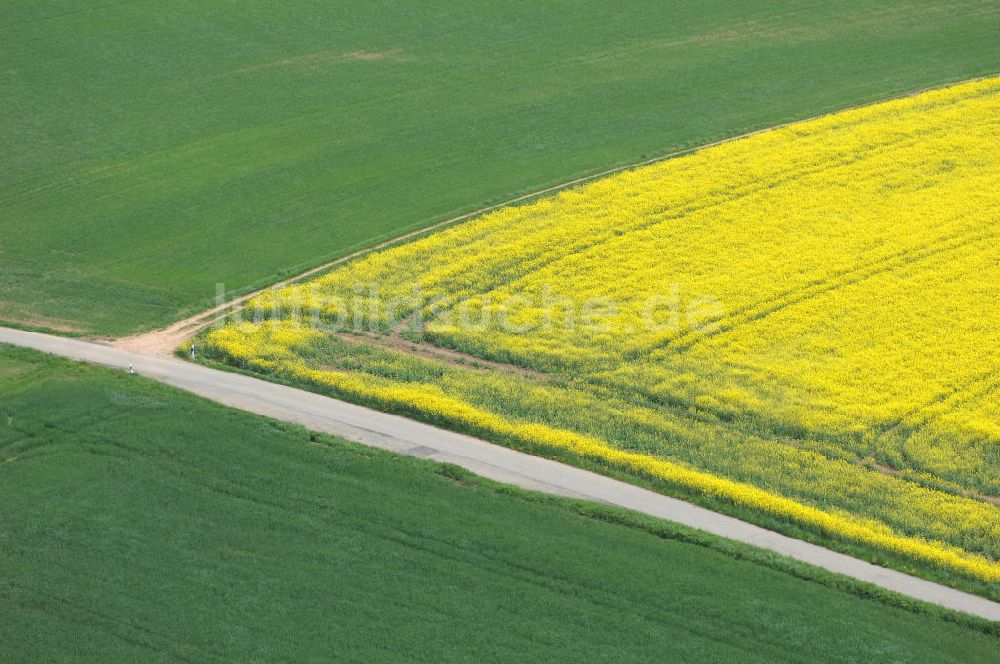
126, 533
840, 396
149, 150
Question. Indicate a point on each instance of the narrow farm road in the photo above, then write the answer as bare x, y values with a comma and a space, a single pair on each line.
405, 436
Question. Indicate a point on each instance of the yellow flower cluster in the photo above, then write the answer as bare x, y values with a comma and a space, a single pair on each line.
787, 321
261, 345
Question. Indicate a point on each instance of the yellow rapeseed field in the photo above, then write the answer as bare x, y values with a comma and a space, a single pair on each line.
800, 324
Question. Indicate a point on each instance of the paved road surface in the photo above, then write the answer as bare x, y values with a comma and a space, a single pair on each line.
405, 436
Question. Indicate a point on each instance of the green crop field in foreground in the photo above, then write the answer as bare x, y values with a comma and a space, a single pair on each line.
141, 523
149, 150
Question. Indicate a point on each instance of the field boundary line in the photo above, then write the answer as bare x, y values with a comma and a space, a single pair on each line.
163, 341
502, 464
732, 194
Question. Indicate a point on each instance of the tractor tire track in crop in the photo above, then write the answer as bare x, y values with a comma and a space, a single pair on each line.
532, 266
855, 275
